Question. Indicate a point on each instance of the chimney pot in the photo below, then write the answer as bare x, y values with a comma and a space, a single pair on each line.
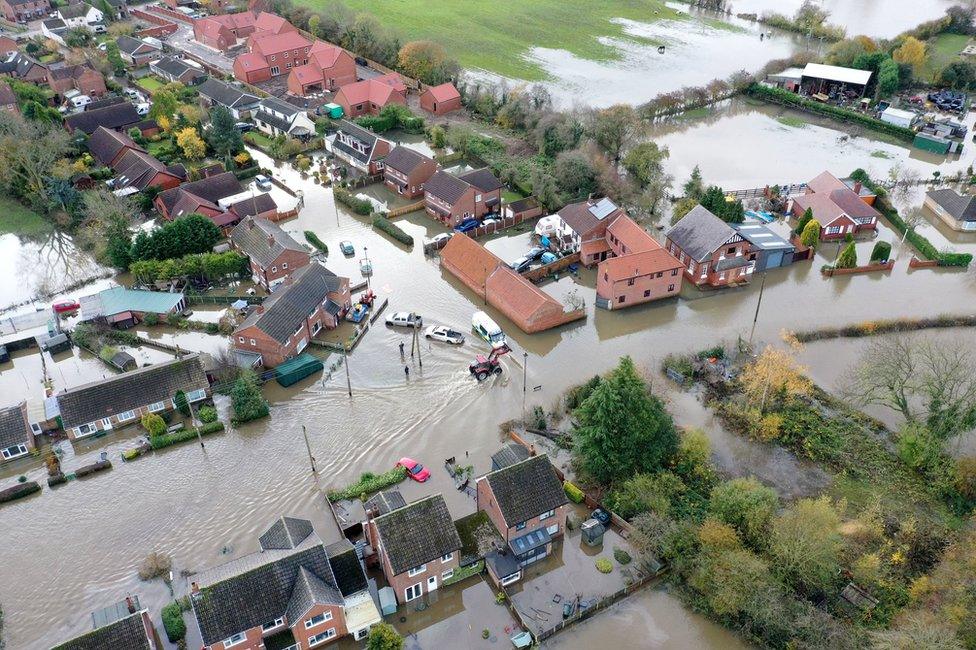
131, 606
857, 188
194, 588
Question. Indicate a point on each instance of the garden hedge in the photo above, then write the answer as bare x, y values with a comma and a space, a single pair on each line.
382, 223
184, 435
19, 491
573, 493
173, 622
314, 240
357, 205
369, 483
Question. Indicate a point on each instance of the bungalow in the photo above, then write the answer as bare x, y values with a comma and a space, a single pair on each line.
22, 67
107, 146
202, 196
8, 99
118, 117
273, 253
136, 170
452, 199
271, 55
137, 51
122, 307
16, 435
311, 299
172, 69
219, 93
83, 78
526, 503
123, 399
370, 96
711, 251
406, 171
126, 626
956, 210
80, 15
440, 100
294, 592
841, 207
22, 11
329, 67
276, 117
361, 149
418, 546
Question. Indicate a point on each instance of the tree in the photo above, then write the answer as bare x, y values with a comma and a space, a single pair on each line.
28, 153
615, 128
646, 492
428, 62
713, 199
810, 237
246, 399
187, 235
810, 16
164, 105
960, 75
774, 375
190, 142
681, 208
805, 218
437, 136
748, 506
889, 78
848, 257
106, 230
645, 162
881, 252
557, 132
181, 403
114, 57
912, 52
153, 424
694, 188
575, 174
78, 37
384, 636
225, 138
806, 544
623, 429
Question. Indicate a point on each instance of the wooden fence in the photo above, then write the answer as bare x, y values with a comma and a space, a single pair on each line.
583, 614
480, 231
407, 209
200, 299
792, 189
540, 273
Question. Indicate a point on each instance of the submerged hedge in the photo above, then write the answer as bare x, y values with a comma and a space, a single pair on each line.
184, 435
357, 205
396, 232
19, 491
369, 483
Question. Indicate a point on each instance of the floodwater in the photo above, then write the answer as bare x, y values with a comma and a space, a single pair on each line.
71, 550
875, 18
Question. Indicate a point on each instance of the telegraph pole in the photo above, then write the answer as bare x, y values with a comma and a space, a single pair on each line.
755, 318
308, 447
345, 362
525, 375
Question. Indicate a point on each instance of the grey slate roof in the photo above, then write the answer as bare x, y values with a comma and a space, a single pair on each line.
226, 95
55, 24
961, 206
509, 455
131, 390
446, 186
418, 533
253, 205
105, 144
210, 189
346, 568
288, 307
175, 67
128, 633
279, 106
308, 592
700, 233
585, 216
137, 169
366, 137
526, 489
279, 123
286, 532
404, 159
130, 45
263, 241
19, 65
117, 116
385, 501
13, 425
482, 179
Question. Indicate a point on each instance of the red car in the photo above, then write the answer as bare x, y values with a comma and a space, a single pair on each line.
415, 470
66, 306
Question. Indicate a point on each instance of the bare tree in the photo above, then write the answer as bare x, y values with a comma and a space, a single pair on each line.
913, 218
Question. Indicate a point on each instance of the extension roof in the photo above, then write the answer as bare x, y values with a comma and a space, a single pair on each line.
226, 94
526, 489
700, 233
509, 455
404, 159
116, 116
385, 501
346, 567
127, 633
211, 190
417, 533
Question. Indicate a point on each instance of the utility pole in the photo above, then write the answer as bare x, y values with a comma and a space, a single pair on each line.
366, 253
525, 375
755, 318
345, 362
308, 447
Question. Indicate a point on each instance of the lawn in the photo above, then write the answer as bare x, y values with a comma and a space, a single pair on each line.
259, 139
20, 220
942, 50
497, 36
152, 84
154, 147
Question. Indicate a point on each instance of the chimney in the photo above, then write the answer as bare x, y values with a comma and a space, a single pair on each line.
131, 606
857, 188
271, 239
250, 223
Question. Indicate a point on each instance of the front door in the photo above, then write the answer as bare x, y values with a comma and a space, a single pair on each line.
432, 583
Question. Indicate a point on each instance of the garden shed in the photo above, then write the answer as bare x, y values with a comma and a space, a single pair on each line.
296, 369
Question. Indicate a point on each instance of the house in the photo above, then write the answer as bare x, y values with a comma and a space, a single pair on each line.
20, 66
311, 299
219, 93
276, 117
137, 51
329, 67
125, 626
82, 77
172, 69
273, 253
584, 228
839, 207
769, 250
8, 99
54, 29
711, 251
418, 546
202, 196
121, 400
16, 435
452, 199
294, 592
361, 149
122, 307
118, 117
7, 45
440, 100
22, 11
956, 210
224, 31
137, 170
370, 96
80, 15
639, 269
107, 146
405, 171
491, 279
271, 55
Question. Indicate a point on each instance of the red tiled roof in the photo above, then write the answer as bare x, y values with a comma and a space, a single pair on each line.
269, 22
377, 91
639, 264
594, 247
307, 74
824, 209
635, 238
444, 92
268, 44
825, 183
830, 199
251, 61
325, 54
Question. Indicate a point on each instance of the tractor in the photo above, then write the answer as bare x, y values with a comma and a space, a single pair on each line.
484, 366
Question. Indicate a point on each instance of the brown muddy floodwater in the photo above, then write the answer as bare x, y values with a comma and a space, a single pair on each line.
77, 548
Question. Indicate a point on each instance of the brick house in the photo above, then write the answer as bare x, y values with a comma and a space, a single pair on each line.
440, 100
22, 11
273, 253
132, 165
8, 99
711, 251
126, 626
7, 45
219, 93
136, 51
526, 503
83, 78
418, 546
841, 207
406, 171
370, 96
172, 69
118, 117
220, 197
271, 55
451, 199
20, 66
329, 67
639, 269
958, 211
294, 592
585, 226
121, 400
223, 31
311, 299
16, 436
361, 149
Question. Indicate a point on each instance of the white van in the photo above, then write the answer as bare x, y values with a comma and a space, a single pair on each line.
488, 329
143, 109
80, 101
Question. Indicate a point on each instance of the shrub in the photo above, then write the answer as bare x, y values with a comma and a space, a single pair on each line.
357, 205
576, 394
603, 565
153, 424
848, 257
173, 622
154, 566
539, 418
485, 633
151, 319
182, 405
369, 483
207, 414
246, 399
184, 435
314, 240
573, 493
382, 223
881, 252
19, 491
621, 556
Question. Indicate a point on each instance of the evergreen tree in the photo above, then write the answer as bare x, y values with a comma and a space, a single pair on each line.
804, 220
246, 399
225, 139
848, 257
810, 236
694, 187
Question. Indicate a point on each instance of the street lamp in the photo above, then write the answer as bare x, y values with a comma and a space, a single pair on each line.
368, 267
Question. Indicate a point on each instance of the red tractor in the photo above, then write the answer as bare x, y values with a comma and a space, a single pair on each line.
484, 366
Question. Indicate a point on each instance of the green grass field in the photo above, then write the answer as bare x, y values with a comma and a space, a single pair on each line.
20, 220
152, 84
497, 35
942, 50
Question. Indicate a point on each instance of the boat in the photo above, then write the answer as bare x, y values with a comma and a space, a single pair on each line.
365, 266
66, 306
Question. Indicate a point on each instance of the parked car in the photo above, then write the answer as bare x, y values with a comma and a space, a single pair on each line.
535, 252
444, 334
99, 28
361, 61
263, 182
131, 93
347, 248
66, 306
443, 237
467, 225
415, 470
491, 220
244, 127
521, 264
143, 108
405, 319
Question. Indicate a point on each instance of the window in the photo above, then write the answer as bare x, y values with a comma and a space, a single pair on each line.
272, 57
288, 66
36, 428
447, 558
240, 637
731, 250
321, 638
417, 570
278, 622
85, 429
107, 423
252, 342
128, 415
630, 282
605, 277
477, 197
660, 274
447, 574
670, 287
274, 269
621, 299
546, 515
240, 339
515, 577
318, 620
647, 293
413, 591
286, 54
275, 70
196, 395
520, 526
674, 272
14, 451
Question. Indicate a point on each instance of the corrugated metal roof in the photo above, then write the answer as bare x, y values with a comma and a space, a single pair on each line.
119, 299
837, 73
